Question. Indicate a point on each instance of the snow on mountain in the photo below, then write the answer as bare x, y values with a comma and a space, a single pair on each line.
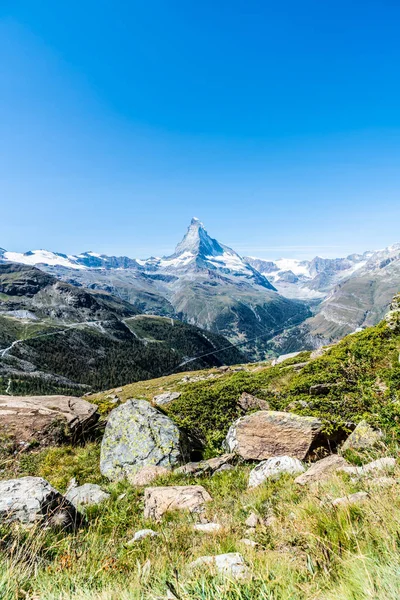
43, 257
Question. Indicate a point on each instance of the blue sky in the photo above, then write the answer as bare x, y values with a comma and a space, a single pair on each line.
276, 123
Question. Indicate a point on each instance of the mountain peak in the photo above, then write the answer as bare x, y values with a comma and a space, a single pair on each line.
198, 242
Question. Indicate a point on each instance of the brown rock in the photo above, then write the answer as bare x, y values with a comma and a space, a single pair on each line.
321, 470
47, 419
248, 402
159, 500
265, 434
147, 475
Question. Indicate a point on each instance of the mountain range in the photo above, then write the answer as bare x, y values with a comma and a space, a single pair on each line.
59, 338
267, 306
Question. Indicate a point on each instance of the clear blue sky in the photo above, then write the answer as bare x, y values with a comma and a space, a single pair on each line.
276, 123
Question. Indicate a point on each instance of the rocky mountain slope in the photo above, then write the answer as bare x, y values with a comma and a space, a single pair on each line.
305, 505
203, 283
56, 337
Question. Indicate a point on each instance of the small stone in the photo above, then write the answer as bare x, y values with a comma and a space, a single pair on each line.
376, 466
252, 520
232, 564
357, 498
166, 398
141, 535
147, 475
248, 542
207, 527
88, 494
382, 482
273, 468
159, 500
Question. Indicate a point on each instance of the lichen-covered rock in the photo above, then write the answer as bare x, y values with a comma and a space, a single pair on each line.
265, 434
88, 494
362, 438
321, 470
32, 499
45, 419
137, 435
159, 500
165, 398
274, 468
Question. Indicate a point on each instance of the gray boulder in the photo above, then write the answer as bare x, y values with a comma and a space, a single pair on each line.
137, 435
32, 499
273, 468
166, 398
88, 494
362, 438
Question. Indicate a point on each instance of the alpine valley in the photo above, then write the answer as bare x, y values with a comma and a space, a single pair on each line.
91, 321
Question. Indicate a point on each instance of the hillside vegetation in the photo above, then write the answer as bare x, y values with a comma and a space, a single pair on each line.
305, 548
56, 338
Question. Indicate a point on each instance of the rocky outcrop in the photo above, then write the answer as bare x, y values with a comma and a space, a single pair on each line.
265, 434
248, 402
88, 494
45, 419
321, 470
137, 435
273, 468
32, 500
362, 438
159, 500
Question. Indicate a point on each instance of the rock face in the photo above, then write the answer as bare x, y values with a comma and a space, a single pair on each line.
33, 499
47, 419
165, 398
159, 500
265, 434
321, 470
274, 468
362, 438
248, 402
137, 435
88, 494
147, 475
231, 564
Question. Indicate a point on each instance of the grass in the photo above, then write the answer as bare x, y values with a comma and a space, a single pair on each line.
312, 551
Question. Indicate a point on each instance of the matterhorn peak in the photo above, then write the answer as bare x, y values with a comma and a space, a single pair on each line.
198, 242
